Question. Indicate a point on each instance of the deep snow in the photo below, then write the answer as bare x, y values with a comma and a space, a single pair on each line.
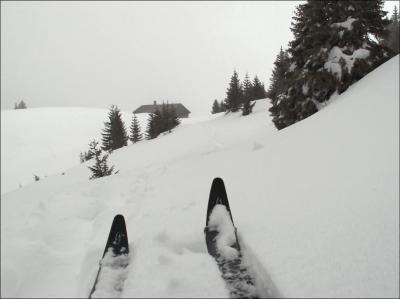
316, 206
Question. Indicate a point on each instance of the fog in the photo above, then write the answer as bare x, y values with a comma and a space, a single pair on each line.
95, 54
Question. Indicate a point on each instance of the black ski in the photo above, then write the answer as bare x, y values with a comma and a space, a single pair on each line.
116, 252
235, 274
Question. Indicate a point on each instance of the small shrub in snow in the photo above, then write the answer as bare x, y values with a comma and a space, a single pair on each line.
100, 168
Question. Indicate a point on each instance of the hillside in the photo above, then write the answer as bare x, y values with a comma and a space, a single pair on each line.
47, 141
316, 206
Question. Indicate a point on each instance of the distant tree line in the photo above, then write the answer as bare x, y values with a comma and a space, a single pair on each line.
239, 96
115, 136
218, 107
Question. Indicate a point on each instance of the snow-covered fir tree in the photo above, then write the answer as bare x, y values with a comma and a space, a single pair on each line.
248, 95
335, 44
114, 134
234, 94
135, 131
101, 167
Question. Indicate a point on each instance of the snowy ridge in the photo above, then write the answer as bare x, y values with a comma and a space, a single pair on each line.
316, 206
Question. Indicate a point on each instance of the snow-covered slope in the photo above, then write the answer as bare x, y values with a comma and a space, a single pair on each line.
316, 206
46, 141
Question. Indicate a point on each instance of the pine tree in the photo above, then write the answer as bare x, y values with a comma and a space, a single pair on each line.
215, 108
278, 77
258, 89
169, 118
278, 81
100, 168
153, 125
114, 134
222, 106
248, 95
136, 135
331, 50
234, 94
173, 118
162, 121
166, 122
20, 105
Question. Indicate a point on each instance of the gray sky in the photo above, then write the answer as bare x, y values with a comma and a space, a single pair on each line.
95, 54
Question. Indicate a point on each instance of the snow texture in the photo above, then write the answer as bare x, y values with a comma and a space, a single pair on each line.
336, 56
112, 275
348, 24
318, 215
220, 221
228, 257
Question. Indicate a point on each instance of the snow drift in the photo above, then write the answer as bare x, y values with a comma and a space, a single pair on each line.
316, 206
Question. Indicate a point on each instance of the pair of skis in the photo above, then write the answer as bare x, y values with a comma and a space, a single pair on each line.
222, 245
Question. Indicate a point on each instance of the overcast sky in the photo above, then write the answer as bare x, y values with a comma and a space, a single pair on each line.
95, 54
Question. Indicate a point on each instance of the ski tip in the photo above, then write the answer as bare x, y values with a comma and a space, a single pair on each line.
218, 188
217, 196
217, 181
119, 219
